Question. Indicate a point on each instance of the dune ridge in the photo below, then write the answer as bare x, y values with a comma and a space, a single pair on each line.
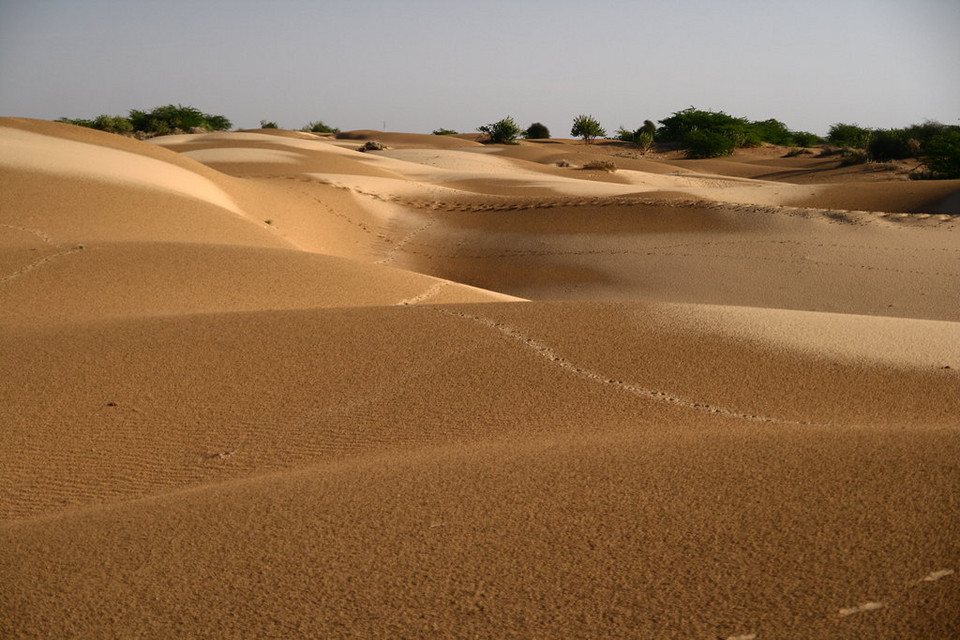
260, 384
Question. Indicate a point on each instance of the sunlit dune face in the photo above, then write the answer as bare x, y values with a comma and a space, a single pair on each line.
37, 152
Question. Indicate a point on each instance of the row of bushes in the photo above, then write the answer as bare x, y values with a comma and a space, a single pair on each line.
158, 121
937, 145
506, 131
174, 118
704, 134
712, 134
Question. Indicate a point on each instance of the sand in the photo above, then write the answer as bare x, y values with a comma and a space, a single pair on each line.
259, 384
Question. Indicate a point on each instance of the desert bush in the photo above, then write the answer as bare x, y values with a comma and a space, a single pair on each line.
113, 124
708, 144
678, 126
563, 163
504, 131
806, 139
793, 153
600, 165
849, 135
851, 156
925, 131
941, 154
103, 122
892, 144
77, 122
537, 131
171, 118
317, 126
587, 127
772, 131
167, 118
268, 124
707, 134
642, 138
444, 132
623, 134
159, 121
217, 122
371, 145
644, 141
705, 126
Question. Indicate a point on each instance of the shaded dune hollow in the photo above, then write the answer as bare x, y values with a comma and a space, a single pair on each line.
261, 384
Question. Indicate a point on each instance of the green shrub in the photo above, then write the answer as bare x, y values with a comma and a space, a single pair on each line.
850, 156
158, 121
849, 135
113, 124
217, 123
941, 154
625, 134
268, 124
504, 131
587, 127
642, 138
682, 123
167, 118
103, 122
649, 127
892, 144
708, 144
600, 165
644, 141
537, 131
741, 131
926, 131
444, 132
772, 131
77, 122
170, 118
318, 127
805, 139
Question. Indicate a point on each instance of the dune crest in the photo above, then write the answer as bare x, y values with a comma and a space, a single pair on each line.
38, 152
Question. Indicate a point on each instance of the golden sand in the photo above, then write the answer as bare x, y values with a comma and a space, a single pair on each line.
258, 384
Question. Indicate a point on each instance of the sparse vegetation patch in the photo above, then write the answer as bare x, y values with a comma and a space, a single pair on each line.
158, 121
318, 126
537, 131
371, 145
600, 165
504, 131
588, 128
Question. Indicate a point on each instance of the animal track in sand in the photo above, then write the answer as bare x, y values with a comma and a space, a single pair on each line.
37, 232
549, 354
392, 254
39, 263
507, 203
866, 607
429, 293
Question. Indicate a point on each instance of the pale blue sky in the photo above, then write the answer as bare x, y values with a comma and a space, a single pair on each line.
422, 64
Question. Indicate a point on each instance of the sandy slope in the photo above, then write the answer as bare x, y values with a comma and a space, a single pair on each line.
258, 384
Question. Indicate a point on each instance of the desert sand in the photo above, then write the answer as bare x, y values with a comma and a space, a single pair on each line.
261, 385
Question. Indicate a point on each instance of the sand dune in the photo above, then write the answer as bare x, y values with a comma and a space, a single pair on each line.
260, 384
